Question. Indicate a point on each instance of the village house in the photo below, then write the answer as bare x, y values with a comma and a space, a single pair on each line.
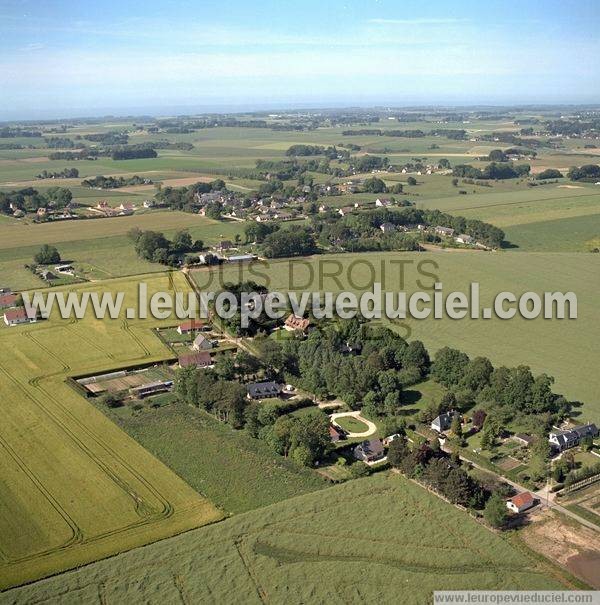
192, 325
445, 231
383, 202
13, 317
201, 343
369, 451
263, 390
127, 206
463, 238
444, 421
387, 227
293, 323
199, 359
346, 210
520, 502
335, 434
224, 245
564, 440
7, 300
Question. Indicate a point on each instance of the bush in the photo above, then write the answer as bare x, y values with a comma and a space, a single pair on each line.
360, 469
495, 512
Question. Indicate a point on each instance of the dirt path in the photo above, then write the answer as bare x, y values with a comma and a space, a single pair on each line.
370, 431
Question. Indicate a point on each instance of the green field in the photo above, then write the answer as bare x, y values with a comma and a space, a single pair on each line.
233, 470
74, 487
319, 548
563, 348
98, 248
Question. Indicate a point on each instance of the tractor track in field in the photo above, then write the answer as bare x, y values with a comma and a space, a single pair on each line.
138, 500
141, 507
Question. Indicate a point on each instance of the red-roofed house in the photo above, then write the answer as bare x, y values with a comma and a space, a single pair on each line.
13, 317
293, 323
193, 325
7, 300
520, 502
200, 359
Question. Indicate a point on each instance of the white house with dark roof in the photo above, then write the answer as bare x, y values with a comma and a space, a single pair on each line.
564, 440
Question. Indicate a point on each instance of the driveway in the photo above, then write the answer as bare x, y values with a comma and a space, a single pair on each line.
372, 428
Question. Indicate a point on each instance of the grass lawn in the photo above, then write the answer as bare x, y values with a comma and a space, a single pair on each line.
318, 547
352, 425
235, 471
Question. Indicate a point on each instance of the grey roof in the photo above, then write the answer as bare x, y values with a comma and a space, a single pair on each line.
263, 389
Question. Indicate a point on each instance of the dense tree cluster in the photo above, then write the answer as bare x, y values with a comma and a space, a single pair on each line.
59, 142
288, 242
330, 152
549, 173
111, 182
506, 394
155, 247
30, 199
437, 470
494, 170
361, 231
186, 198
108, 138
372, 378
133, 153
588, 173
67, 173
47, 255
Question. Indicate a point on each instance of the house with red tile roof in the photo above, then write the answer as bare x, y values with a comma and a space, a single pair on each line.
13, 317
293, 323
520, 502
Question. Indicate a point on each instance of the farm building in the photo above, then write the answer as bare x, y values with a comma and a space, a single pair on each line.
192, 325
387, 227
201, 343
199, 359
151, 388
463, 238
13, 317
369, 451
335, 434
446, 231
520, 502
241, 258
7, 300
443, 421
564, 440
523, 439
263, 390
293, 323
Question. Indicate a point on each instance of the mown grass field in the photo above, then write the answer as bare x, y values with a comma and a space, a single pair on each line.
372, 540
75, 488
566, 349
235, 471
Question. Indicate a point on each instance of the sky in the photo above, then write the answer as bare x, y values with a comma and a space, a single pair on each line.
83, 58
